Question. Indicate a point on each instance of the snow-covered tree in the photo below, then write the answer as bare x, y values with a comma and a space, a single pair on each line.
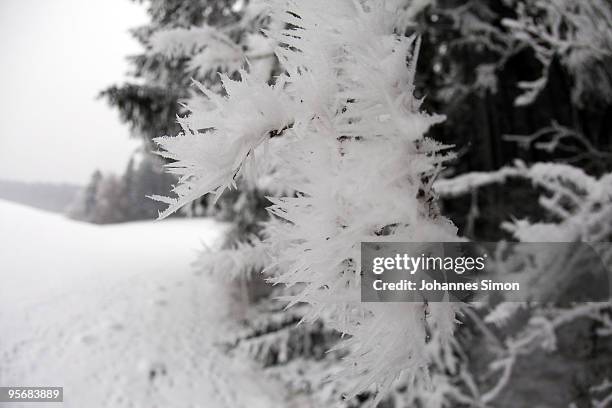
342, 129
577, 33
480, 58
151, 99
219, 44
149, 103
579, 210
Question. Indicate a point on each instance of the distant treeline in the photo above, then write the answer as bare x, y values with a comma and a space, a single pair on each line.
109, 199
53, 197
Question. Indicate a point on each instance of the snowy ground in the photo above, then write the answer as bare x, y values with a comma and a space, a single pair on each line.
115, 315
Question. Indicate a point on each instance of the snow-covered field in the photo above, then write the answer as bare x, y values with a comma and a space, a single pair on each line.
115, 315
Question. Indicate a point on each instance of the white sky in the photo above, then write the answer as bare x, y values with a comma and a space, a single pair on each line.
56, 55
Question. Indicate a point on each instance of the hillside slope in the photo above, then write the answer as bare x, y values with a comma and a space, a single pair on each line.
115, 315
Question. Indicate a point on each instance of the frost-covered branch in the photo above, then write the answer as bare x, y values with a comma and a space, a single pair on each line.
578, 33
353, 134
562, 139
239, 260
